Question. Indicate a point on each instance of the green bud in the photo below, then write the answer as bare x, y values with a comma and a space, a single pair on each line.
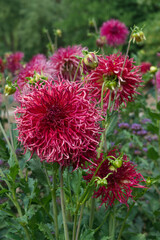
112, 168
91, 60
9, 89
137, 35
153, 69
117, 163
58, 32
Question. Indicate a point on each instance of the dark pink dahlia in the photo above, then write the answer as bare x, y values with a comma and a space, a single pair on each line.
115, 32
110, 71
2, 66
14, 61
65, 62
39, 65
116, 179
59, 123
145, 66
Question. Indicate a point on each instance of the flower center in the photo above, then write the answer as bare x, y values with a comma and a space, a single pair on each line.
111, 81
114, 30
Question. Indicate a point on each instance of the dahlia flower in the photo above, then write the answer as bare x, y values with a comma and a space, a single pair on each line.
145, 67
59, 123
65, 62
38, 64
13, 61
2, 67
115, 32
116, 182
110, 71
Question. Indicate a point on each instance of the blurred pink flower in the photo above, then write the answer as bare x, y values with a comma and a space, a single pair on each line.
14, 61
59, 123
145, 66
2, 67
65, 62
115, 32
120, 181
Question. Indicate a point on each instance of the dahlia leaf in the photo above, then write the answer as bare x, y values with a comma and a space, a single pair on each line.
46, 231
153, 153
4, 154
111, 123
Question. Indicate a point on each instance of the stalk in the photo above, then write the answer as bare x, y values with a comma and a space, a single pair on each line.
54, 204
112, 222
75, 75
123, 225
92, 213
63, 207
79, 222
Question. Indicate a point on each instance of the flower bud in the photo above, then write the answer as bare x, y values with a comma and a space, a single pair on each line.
137, 35
91, 60
112, 168
58, 32
9, 89
117, 163
101, 181
153, 69
100, 42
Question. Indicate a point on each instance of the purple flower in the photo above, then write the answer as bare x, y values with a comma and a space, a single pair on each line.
154, 137
137, 152
145, 120
136, 126
145, 149
123, 125
142, 132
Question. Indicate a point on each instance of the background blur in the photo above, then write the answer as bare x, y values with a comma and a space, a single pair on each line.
22, 23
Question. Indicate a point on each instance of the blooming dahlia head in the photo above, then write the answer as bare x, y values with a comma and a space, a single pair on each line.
59, 123
38, 64
145, 66
13, 61
116, 182
109, 72
65, 62
115, 32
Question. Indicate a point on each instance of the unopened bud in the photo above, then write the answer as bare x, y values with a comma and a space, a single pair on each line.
100, 42
91, 60
153, 69
112, 168
58, 32
138, 35
117, 163
9, 89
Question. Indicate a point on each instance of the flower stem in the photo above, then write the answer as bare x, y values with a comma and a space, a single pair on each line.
53, 194
79, 222
112, 222
11, 149
92, 213
63, 207
75, 75
123, 225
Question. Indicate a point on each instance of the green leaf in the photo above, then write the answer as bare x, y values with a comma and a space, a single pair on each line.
4, 154
87, 235
152, 153
152, 128
111, 123
46, 231
139, 236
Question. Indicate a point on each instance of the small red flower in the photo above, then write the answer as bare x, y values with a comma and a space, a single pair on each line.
65, 62
145, 66
119, 178
110, 71
59, 123
13, 61
115, 32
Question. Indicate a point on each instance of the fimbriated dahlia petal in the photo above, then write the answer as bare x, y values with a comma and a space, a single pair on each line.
119, 183
59, 123
110, 70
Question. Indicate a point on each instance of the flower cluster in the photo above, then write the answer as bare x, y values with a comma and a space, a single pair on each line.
14, 61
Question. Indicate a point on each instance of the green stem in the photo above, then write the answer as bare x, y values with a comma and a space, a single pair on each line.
55, 212
102, 222
53, 194
50, 40
75, 75
91, 219
63, 207
112, 222
11, 149
123, 225
9, 123
74, 226
126, 55
79, 222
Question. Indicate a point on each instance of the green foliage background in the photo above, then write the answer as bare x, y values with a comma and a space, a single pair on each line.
22, 23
